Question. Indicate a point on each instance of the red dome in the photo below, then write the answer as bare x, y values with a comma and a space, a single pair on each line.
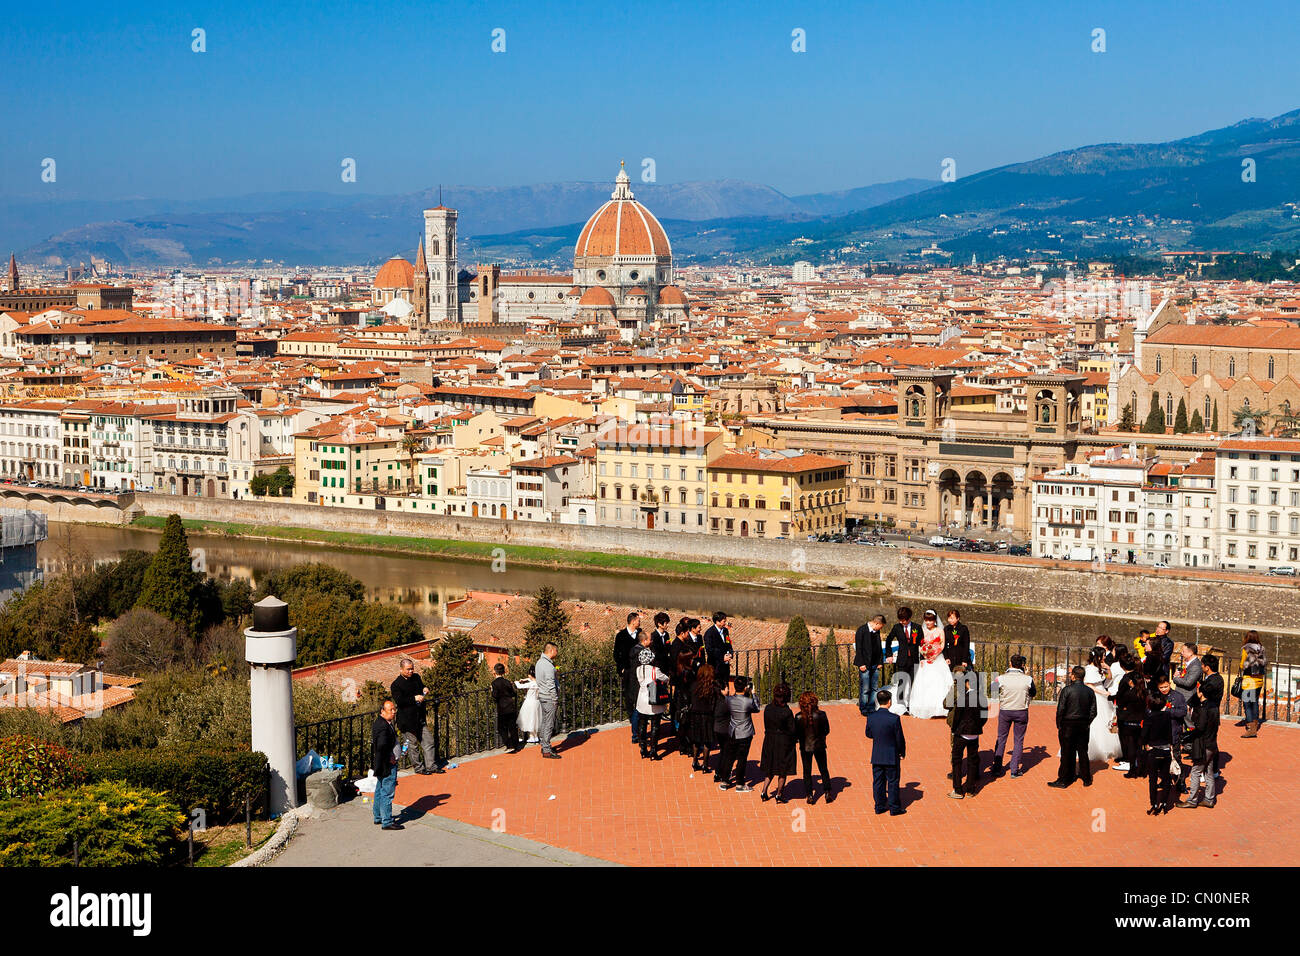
598, 297
622, 227
396, 273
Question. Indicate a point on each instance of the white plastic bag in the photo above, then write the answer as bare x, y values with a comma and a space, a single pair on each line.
368, 783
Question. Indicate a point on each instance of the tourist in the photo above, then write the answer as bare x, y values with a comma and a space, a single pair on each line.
1254, 665
1140, 644
956, 641
1015, 690
1204, 738
967, 722
701, 719
1211, 695
1157, 747
384, 755
409, 693
933, 682
1164, 640
1130, 704
506, 700
888, 748
1188, 674
1103, 736
625, 643
1153, 665
1076, 708
812, 727
904, 636
868, 656
741, 706
548, 698
651, 695
717, 648
681, 644
777, 760
530, 712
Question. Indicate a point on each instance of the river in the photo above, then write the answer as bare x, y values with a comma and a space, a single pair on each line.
423, 586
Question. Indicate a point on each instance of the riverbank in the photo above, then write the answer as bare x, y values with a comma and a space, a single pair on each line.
524, 555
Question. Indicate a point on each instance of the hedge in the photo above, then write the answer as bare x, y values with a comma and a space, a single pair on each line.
29, 766
216, 779
102, 824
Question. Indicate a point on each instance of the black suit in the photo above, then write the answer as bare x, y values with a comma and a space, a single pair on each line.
1075, 709
625, 642
717, 644
956, 644
507, 703
908, 653
383, 738
867, 648
887, 752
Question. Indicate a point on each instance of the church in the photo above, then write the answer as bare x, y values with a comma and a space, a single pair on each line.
622, 278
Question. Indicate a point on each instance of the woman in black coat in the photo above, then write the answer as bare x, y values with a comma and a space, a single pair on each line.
811, 729
778, 759
704, 697
683, 679
1157, 742
1130, 704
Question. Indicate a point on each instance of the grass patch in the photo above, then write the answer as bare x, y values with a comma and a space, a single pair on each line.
221, 846
862, 584
528, 555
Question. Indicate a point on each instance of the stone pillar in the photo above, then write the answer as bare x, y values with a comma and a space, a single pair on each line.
270, 647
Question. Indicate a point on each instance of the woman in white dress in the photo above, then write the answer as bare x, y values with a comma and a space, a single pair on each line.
1103, 744
933, 681
530, 710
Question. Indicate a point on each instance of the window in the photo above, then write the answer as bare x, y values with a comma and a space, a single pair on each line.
1194, 363
1232, 367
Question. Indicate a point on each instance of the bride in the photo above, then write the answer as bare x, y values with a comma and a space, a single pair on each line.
933, 681
1103, 744
530, 711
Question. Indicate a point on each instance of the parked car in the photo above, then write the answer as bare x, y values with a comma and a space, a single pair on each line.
1283, 571
1018, 549
987, 547
1002, 546
937, 541
1159, 564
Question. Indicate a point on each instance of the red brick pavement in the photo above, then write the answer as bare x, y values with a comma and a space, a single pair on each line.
609, 803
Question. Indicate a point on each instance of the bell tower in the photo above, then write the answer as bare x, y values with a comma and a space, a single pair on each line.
440, 252
1055, 404
923, 398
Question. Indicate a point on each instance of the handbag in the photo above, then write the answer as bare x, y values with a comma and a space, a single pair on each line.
1236, 686
659, 693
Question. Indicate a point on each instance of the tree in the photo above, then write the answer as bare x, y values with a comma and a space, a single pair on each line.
1155, 423
171, 584
236, 599
1180, 418
257, 485
112, 589
43, 619
1245, 414
1287, 423
1197, 424
142, 641
310, 577
411, 446
1214, 426
455, 665
281, 482
547, 621
1127, 422
793, 663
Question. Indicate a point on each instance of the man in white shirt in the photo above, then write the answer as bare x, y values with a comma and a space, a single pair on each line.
1015, 690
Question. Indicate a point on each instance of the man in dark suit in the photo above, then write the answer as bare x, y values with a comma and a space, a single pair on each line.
717, 648
409, 696
625, 641
868, 656
383, 760
1165, 642
1075, 709
507, 704
888, 748
905, 636
660, 639
956, 641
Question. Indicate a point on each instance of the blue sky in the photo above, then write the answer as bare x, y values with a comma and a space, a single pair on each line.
414, 93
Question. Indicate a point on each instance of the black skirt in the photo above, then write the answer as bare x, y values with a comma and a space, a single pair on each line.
699, 729
778, 758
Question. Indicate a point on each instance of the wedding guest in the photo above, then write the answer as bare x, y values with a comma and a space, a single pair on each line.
812, 727
1204, 739
548, 698
625, 643
956, 641
966, 719
507, 704
1015, 690
659, 641
651, 689
1157, 745
742, 707
777, 760
888, 748
683, 676
717, 648
869, 654
1130, 705
700, 719
1076, 708
1188, 673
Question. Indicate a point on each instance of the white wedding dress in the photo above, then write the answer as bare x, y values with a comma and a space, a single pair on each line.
529, 711
1102, 744
933, 681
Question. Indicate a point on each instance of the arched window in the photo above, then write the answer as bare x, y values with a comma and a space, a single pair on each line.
1270, 367
1169, 407
1194, 364
1159, 364
1232, 367
1206, 414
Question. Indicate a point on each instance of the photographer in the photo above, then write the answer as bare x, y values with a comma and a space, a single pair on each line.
741, 706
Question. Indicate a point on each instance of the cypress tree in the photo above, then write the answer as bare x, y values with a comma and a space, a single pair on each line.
170, 585
1128, 419
1180, 419
547, 621
1198, 424
1214, 426
1155, 423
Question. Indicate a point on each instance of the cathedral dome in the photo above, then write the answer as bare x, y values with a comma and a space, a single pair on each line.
598, 297
622, 228
396, 273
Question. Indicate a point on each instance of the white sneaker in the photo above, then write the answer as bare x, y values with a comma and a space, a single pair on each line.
1122, 766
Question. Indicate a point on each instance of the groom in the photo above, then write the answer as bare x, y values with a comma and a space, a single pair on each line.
904, 636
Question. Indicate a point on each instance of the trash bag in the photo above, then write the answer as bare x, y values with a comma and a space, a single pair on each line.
308, 763
368, 783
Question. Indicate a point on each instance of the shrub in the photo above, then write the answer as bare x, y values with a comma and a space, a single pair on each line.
31, 767
105, 824
191, 775
142, 640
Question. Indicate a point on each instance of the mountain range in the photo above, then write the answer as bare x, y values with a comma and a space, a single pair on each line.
1235, 188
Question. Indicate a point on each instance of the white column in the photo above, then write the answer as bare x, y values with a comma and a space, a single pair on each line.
270, 647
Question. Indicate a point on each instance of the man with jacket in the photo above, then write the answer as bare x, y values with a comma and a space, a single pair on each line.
409, 695
625, 642
888, 748
966, 719
742, 707
904, 637
717, 648
1188, 675
507, 704
1075, 709
1015, 690
1164, 642
868, 656
383, 760
548, 699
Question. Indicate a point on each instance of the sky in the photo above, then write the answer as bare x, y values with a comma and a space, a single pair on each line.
414, 93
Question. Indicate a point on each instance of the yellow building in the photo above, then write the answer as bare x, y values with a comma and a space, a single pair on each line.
337, 458
651, 476
774, 494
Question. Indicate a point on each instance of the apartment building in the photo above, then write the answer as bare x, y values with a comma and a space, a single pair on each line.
1091, 509
1258, 503
541, 487
776, 494
338, 457
655, 477
31, 441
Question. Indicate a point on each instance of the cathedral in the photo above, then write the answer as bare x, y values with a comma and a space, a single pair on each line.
622, 277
